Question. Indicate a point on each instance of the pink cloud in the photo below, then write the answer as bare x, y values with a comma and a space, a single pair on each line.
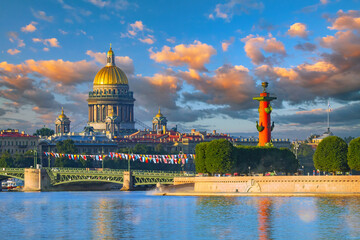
298, 30
13, 51
194, 55
29, 28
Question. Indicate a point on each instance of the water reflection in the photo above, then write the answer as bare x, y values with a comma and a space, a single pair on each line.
264, 218
114, 215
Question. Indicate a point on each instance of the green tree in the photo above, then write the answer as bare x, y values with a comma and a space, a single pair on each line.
200, 158
348, 139
331, 155
141, 149
353, 156
6, 160
159, 149
67, 146
44, 132
219, 156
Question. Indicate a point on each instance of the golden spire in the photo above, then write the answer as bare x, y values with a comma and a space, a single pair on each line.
62, 115
110, 58
159, 113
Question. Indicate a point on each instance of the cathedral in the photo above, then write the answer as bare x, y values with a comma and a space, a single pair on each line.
111, 103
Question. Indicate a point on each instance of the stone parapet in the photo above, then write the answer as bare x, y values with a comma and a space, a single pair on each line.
274, 184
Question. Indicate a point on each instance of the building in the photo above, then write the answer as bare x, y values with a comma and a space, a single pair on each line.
13, 141
111, 97
62, 123
253, 141
159, 122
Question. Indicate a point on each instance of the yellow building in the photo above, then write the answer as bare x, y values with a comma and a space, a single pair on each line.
111, 96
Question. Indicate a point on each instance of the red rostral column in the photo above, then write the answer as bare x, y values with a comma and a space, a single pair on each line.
265, 109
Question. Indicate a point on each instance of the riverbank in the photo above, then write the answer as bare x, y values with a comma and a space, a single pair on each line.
264, 186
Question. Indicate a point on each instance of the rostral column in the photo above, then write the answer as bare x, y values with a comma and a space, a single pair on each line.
265, 109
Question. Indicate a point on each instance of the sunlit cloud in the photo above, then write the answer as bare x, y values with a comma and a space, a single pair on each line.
124, 62
298, 30
255, 44
29, 28
194, 55
349, 20
225, 44
52, 42
235, 7
13, 51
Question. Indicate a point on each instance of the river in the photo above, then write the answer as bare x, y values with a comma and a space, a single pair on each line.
140, 215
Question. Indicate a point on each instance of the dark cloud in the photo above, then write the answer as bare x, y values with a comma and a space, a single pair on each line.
309, 47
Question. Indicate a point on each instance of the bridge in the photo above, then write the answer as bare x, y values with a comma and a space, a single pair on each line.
48, 178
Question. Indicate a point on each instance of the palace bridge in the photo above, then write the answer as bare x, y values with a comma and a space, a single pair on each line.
47, 178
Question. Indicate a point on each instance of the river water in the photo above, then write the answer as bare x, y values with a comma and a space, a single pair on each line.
140, 215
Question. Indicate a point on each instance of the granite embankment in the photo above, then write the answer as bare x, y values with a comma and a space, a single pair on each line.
266, 186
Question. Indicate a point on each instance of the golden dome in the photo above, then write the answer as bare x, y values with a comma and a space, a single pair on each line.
110, 75
159, 114
62, 115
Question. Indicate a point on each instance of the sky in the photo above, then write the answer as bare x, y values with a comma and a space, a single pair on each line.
201, 61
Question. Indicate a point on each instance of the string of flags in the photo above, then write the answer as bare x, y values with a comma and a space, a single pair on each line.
167, 159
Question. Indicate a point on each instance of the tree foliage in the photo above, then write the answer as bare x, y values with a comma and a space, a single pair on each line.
6, 160
200, 158
219, 156
353, 155
44, 132
331, 155
67, 146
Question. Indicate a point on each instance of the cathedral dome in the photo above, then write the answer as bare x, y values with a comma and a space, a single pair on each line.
110, 74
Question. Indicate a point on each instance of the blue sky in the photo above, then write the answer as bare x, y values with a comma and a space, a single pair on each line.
200, 61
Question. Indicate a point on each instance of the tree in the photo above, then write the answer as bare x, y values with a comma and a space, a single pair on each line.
353, 156
348, 139
219, 156
6, 160
159, 149
200, 158
331, 155
67, 146
44, 132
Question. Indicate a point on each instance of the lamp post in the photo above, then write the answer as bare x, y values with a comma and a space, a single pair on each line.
249, 170
35, 158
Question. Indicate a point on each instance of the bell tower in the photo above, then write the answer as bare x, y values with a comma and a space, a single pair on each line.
62, 123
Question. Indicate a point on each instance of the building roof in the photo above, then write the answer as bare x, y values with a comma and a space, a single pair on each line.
14, 133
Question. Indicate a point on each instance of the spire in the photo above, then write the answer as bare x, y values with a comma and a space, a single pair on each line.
159, 114
159, 111
110, 58
62, 110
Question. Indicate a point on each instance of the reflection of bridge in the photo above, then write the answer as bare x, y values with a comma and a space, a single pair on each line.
57, 176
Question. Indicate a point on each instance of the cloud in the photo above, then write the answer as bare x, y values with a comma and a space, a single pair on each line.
149, 39
230, 86
52, 42
254, 45
263, 25
171, 40
345, 21
42, 15
138, 29
116, 4
14, 37
125, 63
346, 44
13, 51
298, 30
225, 44
29, 28
309, 47
194, 55
235, 7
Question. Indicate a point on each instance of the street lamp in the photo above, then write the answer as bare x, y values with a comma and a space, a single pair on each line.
249, 170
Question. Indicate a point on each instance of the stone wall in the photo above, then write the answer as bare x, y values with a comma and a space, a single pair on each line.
274, 184
36, 180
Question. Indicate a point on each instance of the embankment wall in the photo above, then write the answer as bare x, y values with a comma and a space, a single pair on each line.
274, 184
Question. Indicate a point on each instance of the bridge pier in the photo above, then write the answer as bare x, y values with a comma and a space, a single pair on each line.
128, 184
36, 180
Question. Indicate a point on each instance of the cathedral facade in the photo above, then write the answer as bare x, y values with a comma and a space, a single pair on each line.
111, 103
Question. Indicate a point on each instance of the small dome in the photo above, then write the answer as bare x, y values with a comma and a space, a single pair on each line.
159, 114
62, 115
110, 75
